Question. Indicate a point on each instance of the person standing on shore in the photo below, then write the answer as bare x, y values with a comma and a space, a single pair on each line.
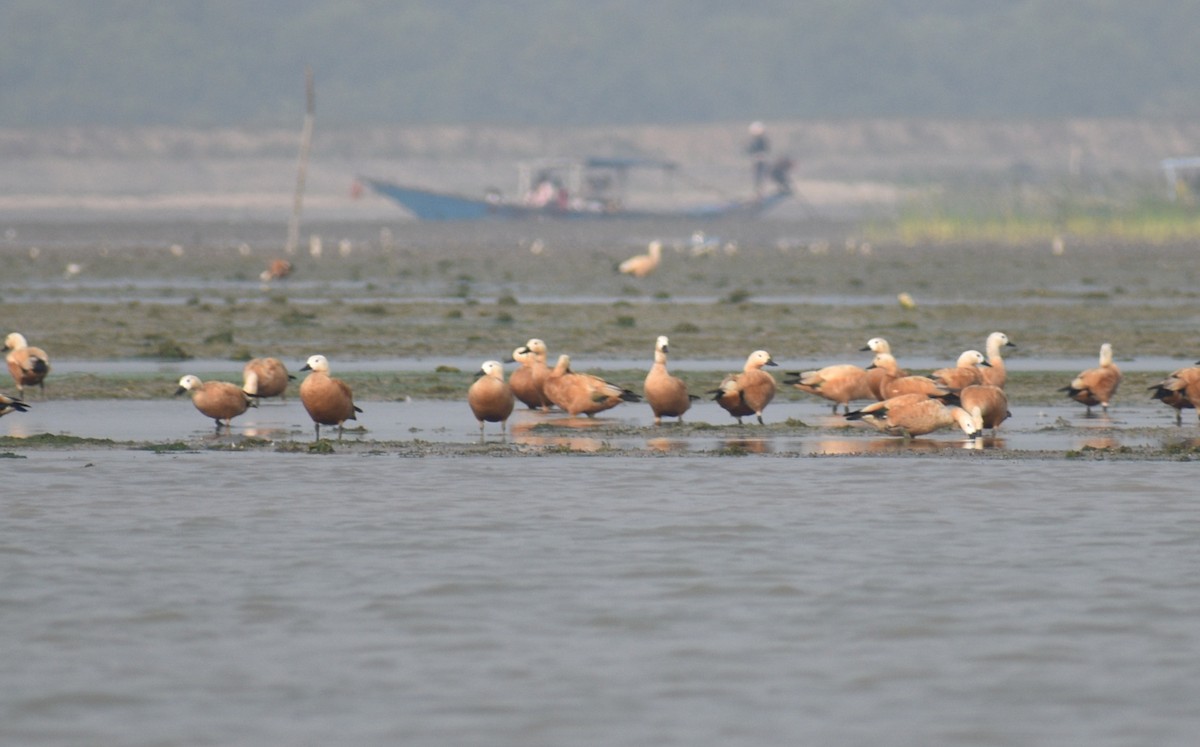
759, 149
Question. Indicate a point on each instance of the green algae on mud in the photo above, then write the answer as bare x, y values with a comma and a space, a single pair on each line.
54, 441
482, 294
735, 444
1024, 387
791, 330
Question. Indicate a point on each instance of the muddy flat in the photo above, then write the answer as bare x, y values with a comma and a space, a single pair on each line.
406, 312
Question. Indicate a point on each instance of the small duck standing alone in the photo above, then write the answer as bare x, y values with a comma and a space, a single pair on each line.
641, 265
667, 395
748, 392
219, 400
1096, 386
328, 401
277, 269
490, 398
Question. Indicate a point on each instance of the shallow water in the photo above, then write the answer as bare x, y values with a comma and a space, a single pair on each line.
629, 427
220, 596
258, 598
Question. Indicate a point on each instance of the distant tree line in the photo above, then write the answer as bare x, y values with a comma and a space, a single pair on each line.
571, 62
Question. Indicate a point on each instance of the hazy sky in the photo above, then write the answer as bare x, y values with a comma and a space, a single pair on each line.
545, 62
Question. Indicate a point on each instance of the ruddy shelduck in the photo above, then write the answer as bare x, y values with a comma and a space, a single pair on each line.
894, 382
538, 347
1179, 390
840, 384
749, 392
913, 415
922, 385
219, 400
541, 368
1096, 386
521, 380
28, 365
277, 269
964, 373
667, 395
265, 377
996, 373
877, 345
641, 265
582, 393
878, 375
883, 371
328, 401
11, 404
528, 382
987, 404
490, 398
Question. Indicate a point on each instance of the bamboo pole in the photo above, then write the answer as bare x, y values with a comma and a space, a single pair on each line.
293, 235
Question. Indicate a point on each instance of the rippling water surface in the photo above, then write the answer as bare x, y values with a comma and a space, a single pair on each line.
273, 599
651, 588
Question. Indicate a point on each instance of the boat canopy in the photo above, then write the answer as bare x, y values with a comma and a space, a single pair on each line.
603, 178
1183, 175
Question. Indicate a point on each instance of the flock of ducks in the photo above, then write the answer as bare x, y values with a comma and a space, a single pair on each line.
969, 395
538, 386
327, 400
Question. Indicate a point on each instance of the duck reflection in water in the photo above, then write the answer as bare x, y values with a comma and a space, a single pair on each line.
667, 445
563, 443
748, 446
880, 445
536, 433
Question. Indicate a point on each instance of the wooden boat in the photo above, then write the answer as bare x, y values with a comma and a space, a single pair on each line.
591, 188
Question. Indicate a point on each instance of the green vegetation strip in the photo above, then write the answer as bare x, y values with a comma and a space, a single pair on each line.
1024, 387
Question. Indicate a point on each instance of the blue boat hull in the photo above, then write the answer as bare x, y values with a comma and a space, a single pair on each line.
443, 206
